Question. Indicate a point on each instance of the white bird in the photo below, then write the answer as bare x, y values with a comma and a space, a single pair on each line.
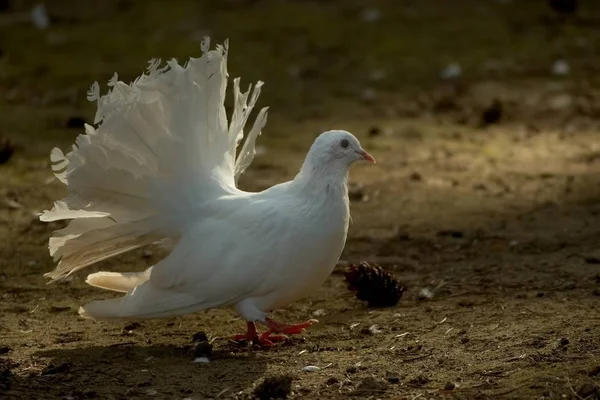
161, 167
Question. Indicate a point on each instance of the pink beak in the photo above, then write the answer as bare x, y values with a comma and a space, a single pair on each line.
367, 156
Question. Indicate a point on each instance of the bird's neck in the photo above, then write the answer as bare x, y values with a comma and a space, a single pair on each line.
331, 179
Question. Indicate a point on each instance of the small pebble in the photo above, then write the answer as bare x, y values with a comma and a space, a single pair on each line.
356, 192
395, 379
203, 349
131, 326
594, 371
374, 131
200, 337
449, 386
332, 381
587, 390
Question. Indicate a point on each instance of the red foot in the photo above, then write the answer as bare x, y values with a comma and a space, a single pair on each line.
253, 337
276, 333
278, 327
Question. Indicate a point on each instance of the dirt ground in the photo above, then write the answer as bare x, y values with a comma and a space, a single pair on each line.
493, 227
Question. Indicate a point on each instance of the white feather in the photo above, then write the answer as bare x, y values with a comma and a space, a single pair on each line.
161, 167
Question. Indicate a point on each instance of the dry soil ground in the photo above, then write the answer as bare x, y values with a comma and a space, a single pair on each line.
500, 222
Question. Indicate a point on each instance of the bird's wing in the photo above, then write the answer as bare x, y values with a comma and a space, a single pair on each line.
230, 254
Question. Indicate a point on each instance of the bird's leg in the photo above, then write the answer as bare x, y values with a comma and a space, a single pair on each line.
278, 327
249, 336
252, 337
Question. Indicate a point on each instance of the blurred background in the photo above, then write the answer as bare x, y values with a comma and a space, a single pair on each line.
483, 115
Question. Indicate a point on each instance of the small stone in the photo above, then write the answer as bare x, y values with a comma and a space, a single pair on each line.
352, 370
371, 387
395, 379
372, 330
419, 381
451, 233
200, 337
374, 131
594, 371
415, 176
276, 387
332, 381
62, 368
131, 326
6, 151
356, 191
449, 386
587, 390
203, 349
492, 114
464, 340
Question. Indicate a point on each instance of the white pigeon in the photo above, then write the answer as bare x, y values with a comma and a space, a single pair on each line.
161, 167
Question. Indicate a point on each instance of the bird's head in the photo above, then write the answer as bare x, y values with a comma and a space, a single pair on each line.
336, 150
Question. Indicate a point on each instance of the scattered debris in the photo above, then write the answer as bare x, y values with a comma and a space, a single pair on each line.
332, 381
371, 15
415, 176
450, 386
451, 71
200, 337
311, 368
6, 151
319, 313
594, 371
492, 114
203, 349
374, 131
370, 387
58, 309
39, 17
356, 192
372, 330
451, 233
425, 294
591, 260
563, 6
274, 387
373, 284
420, 380
60, 369
560, 68
12, 204
587, 390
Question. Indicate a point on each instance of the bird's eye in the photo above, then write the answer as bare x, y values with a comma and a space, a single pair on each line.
344, 143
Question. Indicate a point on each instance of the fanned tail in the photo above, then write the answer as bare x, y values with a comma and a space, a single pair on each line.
162, 146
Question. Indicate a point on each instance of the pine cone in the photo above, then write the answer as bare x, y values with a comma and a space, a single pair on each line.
373, 284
